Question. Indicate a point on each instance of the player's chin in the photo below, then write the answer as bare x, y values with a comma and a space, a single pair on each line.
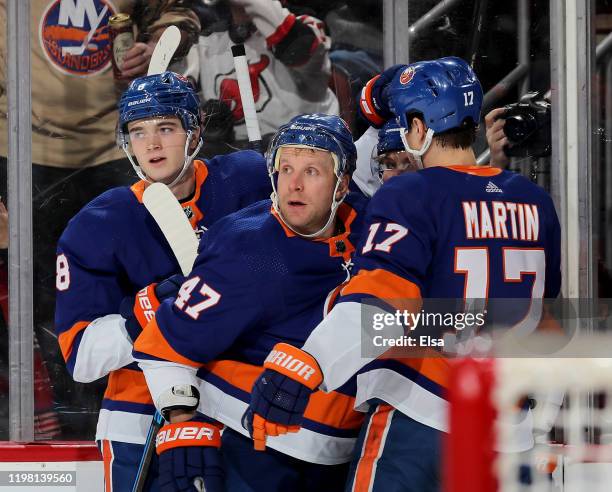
296, 219
164, 176
296, 213
300, 227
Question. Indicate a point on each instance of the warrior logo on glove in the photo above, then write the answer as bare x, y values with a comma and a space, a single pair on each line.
292, 366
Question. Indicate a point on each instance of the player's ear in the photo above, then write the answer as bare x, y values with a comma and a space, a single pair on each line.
420, 128
343, 187
195, 139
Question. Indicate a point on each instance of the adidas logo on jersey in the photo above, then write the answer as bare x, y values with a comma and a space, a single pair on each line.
492, 188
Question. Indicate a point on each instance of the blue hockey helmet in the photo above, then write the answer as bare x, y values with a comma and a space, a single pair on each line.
319, 131
389, 142
389, 138
445, 91
165, 94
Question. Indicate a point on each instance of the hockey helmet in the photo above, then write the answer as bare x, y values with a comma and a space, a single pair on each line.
165, 94
389, 138
319, 131
445, 91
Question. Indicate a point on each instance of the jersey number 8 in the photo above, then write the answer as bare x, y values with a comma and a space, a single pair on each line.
62, 273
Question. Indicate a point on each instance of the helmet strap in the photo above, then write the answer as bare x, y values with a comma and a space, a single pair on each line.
187, 160
137, 168
417, 153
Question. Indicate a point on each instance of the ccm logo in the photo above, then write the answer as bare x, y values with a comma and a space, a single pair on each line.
184, 434
282, 359
145, 304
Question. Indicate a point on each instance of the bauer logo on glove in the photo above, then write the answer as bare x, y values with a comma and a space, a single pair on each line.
187, 434
147, 308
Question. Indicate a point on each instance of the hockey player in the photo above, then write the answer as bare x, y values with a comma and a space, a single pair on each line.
262, 277
450, 230
380, 156
112, 249
390, 158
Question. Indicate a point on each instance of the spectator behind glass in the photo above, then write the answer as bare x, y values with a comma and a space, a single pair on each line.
74, 155
46, 422
287, 56
496, 138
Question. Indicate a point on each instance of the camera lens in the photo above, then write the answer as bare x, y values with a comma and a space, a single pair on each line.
519, 127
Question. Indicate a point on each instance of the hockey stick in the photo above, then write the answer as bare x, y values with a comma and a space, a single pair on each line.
171, 219
169, 216
164, 50
246, 96
147, 453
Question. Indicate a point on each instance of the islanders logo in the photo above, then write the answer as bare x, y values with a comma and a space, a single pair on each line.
406, 75
74, 36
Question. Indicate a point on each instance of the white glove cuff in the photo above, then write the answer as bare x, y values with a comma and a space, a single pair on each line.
180, 397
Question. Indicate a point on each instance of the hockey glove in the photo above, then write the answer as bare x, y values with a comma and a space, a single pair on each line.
280, 395
374, 101
140, 309
267, 15
189, 455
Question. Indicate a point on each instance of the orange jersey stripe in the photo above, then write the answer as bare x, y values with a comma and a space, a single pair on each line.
107, 456
373, 445
152, 342
397, 291
288, 232
128, 385
401, 294
332, 409
66, 339
346, 214
201, 173
477, 170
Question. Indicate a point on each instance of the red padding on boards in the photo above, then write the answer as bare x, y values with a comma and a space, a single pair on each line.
49, 451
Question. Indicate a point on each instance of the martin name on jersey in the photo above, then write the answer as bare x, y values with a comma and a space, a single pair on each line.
254, 284
113, 248
443, 232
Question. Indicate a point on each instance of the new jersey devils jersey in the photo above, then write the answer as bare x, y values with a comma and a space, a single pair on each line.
280, 91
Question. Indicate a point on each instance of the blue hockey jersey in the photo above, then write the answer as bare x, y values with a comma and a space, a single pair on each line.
461, 232
255, 284
112, 248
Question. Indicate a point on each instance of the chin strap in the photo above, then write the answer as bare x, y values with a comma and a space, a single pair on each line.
188, 159
332, 213
417, 154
